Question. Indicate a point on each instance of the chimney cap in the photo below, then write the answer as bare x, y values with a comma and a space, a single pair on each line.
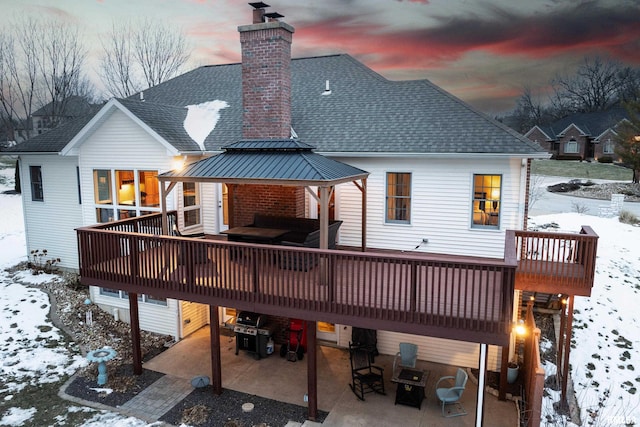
273, 15
258, 5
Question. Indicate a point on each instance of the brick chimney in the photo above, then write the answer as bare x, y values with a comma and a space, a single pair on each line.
266, 79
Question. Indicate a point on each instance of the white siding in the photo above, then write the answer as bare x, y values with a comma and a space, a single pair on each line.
430, 349
440, 212
119, 143
450, 352
161, 319
440, 206
209, 201
194, 316
51, 224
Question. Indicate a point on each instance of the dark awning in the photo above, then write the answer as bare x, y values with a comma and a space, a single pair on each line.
273, 161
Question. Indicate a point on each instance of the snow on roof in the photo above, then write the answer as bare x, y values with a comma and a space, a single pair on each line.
202, 118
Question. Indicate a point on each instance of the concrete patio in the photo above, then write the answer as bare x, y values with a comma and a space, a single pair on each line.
276, 378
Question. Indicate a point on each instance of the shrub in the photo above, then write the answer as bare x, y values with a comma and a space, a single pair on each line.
605, 159
39, 263
563, 187
627, 217
580, 208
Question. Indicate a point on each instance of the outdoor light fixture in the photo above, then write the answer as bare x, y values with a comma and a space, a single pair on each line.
178, 163
520, 329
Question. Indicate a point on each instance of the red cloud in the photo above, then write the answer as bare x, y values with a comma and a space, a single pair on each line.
585, 28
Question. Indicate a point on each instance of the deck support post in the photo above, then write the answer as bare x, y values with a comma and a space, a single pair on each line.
136, 348
567, 349
216, 362
482, 374
504, 363
312, 371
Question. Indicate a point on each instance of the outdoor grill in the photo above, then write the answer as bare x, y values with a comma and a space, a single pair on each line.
252, 333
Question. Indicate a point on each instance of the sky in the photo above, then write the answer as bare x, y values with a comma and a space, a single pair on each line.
604, 361
483, 51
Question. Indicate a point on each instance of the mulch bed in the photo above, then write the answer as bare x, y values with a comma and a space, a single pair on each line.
203, 408
122, 381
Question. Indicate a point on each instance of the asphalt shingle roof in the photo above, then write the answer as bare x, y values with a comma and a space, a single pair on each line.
268, 160
364, 112
592, 124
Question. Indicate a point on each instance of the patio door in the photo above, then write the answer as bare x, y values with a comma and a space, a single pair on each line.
223, 207
326, 332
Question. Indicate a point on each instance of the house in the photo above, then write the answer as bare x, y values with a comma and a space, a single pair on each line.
54, 113
581, 136
428, 192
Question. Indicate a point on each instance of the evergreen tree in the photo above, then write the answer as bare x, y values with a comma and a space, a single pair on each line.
628, 140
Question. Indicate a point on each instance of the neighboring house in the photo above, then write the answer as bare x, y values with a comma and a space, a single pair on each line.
581, 136
55, 113
445, 184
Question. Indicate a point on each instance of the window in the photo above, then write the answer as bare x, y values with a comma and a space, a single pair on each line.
37, 194
190, 204
398, 197
142, 297
78, 181
607, 148
148, 188
487, 201
571, 146
126, 188
133, 190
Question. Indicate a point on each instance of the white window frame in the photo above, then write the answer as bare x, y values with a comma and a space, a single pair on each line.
191, 207
486, 202
37, 187
608, 147
394, 197
571, 143
147, 299
112, 208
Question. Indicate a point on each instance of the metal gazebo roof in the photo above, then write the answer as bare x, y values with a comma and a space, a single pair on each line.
272, 161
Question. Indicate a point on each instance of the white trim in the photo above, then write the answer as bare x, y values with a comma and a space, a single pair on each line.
482, 370
419, 155
526, 135
98, 119
582, 133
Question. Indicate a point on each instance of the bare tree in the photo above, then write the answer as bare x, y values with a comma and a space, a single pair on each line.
140, 55
18, 76
594, 87
60, 65
40, 64
117, 66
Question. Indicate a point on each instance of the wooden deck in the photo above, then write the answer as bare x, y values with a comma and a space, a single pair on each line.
463, 298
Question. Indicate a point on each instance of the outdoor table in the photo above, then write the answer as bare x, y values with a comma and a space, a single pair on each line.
411, 383
254, 234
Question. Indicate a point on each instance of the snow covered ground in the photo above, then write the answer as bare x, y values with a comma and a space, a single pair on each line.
605, 361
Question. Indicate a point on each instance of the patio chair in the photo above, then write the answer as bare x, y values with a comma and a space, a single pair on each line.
452, 395
365, 377
406, 357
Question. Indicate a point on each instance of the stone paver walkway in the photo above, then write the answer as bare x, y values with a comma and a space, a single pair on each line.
157, 399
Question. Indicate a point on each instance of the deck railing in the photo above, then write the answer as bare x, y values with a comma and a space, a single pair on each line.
555, 262
456, 297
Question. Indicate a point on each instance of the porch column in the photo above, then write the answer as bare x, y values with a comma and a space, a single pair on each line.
482, 373
312, 374
135, 333
216, 364
324, 217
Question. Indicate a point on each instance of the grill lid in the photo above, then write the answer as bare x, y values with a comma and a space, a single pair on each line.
249, 318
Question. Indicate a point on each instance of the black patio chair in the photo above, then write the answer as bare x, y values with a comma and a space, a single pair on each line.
365, 377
